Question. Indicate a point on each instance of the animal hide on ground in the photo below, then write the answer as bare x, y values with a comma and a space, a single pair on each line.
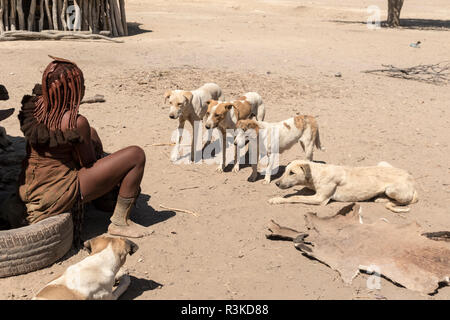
401, 253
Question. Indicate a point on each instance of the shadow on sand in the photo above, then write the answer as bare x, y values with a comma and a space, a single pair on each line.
419, 24
134, 28
96, 222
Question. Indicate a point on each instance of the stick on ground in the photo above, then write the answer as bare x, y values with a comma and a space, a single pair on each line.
179, 210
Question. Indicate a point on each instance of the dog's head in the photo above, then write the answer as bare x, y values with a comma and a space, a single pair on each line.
3, 93
121, 247
217, 111
297, 172
178, 100
245, 129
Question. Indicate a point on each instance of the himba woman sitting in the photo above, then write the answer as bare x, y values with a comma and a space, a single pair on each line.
63, 164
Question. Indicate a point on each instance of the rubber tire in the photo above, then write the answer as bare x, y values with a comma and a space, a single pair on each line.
36, 246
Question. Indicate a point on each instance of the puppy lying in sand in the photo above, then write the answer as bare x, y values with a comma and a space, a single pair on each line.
190, 106
93, 278
300, 129
225, 115
394, 186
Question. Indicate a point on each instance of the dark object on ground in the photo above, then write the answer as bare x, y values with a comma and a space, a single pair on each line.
438, 73
3, 93
4, 114
36, 246
401, 253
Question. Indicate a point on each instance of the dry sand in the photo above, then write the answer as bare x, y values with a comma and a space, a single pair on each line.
289, 52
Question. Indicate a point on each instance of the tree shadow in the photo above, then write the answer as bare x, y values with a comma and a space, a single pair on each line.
96, 222
138, 286
134, 29
419, 24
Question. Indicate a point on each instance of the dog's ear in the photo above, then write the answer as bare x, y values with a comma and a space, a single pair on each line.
87, 246
228, 106
131, 247
307, 170
188, 95
167, 95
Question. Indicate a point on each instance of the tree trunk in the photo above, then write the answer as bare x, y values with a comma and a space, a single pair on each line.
394, 9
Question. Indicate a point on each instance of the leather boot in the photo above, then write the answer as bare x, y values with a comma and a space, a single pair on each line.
122, 211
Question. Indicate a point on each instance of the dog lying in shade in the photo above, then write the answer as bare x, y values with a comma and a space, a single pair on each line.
395, 187
93, 278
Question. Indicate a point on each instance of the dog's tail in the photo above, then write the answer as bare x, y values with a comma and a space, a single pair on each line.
317, 141
396, 208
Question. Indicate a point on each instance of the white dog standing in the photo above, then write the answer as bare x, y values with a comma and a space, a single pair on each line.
190, 106
300, 129
394, 186
93, 278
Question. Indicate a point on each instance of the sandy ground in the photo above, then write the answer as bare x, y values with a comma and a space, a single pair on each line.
289, 52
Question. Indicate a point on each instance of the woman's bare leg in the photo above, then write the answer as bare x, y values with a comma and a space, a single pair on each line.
125, 167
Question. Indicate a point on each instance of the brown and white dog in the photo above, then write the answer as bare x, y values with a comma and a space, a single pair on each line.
225, 115
94, 277
190, 106
300, 129
387, 184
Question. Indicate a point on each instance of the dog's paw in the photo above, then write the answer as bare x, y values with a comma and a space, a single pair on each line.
252, 178
266, 181
236, 169
174, 157
219, 169
277, 200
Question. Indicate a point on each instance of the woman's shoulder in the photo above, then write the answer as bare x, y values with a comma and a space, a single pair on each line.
37, 134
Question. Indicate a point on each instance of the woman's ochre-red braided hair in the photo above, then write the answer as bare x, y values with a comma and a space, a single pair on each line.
62, 91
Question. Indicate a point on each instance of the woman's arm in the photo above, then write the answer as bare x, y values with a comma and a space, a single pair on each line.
85, 150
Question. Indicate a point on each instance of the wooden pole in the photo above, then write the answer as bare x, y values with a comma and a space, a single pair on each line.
89, 15
12, 16
118, 18
113, 22
55, 14
2, 26
42, 15
102, 14
95, 17
63, 14
124, 17
20, 14
77, 22
6, 15
49, 15
31, 15
85, 14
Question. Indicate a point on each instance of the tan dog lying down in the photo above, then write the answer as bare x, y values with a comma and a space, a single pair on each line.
299, 129
349, 184
93, 278
190, 106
